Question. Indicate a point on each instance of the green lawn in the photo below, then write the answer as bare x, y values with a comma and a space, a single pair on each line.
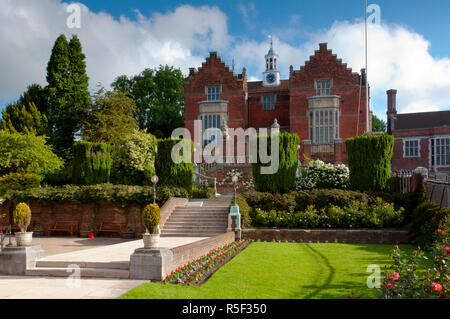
284, 271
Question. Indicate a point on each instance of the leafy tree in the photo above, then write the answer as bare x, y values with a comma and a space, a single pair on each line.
110, 117
134, 159
159, 97
378, 125
67, 91
24, 119
26, 153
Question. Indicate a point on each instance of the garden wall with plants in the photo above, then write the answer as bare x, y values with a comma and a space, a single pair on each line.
89, 205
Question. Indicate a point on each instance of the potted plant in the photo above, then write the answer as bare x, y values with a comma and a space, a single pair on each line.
129, 233
38, 231
22, 218
151, 216
86, 230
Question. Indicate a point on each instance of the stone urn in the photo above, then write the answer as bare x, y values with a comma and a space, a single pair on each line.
24, 238
152, 240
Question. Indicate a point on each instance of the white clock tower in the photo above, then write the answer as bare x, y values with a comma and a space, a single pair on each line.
271, 77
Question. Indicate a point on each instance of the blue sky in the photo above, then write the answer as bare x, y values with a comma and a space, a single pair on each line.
408, 51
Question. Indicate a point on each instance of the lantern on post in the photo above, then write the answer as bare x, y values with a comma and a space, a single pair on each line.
154, 180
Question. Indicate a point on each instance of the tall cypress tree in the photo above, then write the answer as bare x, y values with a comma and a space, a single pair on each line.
58, 91
80, 97
67, 93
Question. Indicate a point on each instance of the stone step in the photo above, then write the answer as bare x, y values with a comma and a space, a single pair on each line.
193, 228
84, 272
192, 234
203, 208
200, 216
82, 264
195, 223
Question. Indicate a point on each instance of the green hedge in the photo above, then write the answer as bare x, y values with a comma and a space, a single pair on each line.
283, 180
203, 192
369, 159
300, 200
427, 218
91, 163
170, 173
121, 195
18, 181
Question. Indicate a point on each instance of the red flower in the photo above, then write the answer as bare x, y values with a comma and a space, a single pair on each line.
395, 276
447, 249
436, 287
335, 239
171, 272
186, 281
439, 230
167, 278
389, 285
285, 239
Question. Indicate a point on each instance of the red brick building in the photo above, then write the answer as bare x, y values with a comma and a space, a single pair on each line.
323, 102
421, 139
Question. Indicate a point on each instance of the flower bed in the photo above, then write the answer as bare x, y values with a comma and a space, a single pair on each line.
419, 275
355, 215
199, 270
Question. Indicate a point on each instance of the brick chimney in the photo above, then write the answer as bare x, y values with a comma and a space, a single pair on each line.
391, 109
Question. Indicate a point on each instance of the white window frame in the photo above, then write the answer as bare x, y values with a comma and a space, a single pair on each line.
436, 153
405, 141
268, 105
318, 126
320, 91
213, 97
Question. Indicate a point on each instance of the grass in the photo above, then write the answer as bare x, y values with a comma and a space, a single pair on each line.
284, 271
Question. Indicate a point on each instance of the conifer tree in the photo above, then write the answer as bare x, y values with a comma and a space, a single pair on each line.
24, 119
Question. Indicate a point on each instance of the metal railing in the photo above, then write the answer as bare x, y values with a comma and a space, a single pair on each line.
404, 181
202, 180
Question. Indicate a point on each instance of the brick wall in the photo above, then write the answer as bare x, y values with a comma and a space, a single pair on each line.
325, 235
45, 215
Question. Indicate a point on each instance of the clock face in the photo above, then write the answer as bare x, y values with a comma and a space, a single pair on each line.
270, 78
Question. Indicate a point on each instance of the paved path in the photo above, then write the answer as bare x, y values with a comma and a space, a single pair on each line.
118, 252
59, 288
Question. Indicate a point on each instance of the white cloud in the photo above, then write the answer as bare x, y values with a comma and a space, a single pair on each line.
113, 47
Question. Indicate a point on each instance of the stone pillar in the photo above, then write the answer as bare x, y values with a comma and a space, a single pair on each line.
234, 221
418, 177
16, 260
151, 264
338, 158
306, 144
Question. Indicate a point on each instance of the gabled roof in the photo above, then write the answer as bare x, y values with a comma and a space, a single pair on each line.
412, 121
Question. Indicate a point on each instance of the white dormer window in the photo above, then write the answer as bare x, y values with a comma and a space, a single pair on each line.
213, 93
323, 87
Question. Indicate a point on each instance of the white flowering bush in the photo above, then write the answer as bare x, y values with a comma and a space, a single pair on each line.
243, 181
318, 174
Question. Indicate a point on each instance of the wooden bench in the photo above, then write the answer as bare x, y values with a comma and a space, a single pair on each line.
110, 227
69, 226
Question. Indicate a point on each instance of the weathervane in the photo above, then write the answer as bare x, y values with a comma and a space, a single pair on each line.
271, 41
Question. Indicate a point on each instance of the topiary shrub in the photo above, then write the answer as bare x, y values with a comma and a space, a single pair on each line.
22, 216
426, 219
18, 182
369, 160
283, 180
169, 172
91, 163
151, 216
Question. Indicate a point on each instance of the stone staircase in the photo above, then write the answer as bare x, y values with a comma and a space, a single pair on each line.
86, 269
202, 221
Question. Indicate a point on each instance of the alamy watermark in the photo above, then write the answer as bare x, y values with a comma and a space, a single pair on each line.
74, 19
211, 144
74, 279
